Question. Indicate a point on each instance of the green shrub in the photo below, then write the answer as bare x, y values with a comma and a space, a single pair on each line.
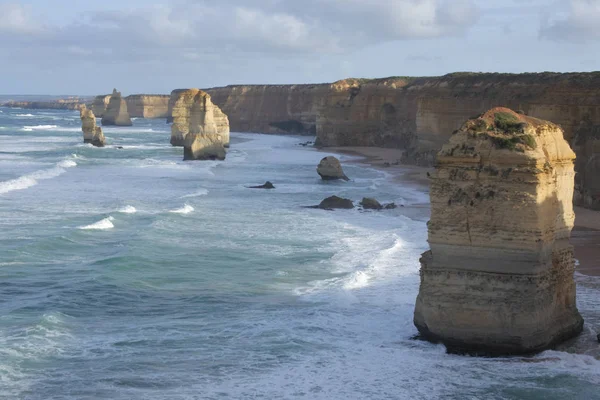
507, 122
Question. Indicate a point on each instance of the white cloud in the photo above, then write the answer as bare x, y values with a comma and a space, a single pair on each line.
16, 19
581, 23
308, 26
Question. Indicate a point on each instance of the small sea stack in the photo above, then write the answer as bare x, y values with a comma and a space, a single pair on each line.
199, 126
498, 279
330, 169
116, 112
91, 133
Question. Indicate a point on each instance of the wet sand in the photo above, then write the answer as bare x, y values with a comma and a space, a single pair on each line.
585, 236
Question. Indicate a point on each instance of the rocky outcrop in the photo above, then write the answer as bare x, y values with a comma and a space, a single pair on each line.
334, 202
148, 105
199, 126
91, 133
499, 276
266, 185
100, 105
330, 169
116, 113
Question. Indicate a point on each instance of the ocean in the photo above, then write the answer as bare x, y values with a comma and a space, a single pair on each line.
130, 274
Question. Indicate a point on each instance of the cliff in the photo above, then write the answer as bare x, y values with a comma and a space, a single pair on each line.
91, 133
100, 104
59, 104
148, 105
271, 108
419, 114
499, 276
199, 126
116, 113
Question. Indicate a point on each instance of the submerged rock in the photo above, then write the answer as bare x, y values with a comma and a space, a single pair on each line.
267, 185
116, 111
334, 202
499, 276
330, 168
91, 133
369, 203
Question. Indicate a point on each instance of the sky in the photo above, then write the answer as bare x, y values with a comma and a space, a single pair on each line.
153, 46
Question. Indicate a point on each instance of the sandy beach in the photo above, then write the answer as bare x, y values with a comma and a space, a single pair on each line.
585, 236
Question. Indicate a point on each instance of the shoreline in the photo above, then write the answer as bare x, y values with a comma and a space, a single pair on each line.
585, 236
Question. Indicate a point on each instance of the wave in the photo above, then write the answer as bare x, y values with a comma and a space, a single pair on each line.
199, 193
186, 209
29, 180
101, 225
39, 127
128, 210
24, 115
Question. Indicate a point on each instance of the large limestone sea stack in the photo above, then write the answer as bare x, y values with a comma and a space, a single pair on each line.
91, 133
116, 111
199, 126
499, 276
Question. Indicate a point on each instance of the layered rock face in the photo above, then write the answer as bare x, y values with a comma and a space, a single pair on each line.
91, 133
271, 108
199, 126
116, 113
73, 103
499, 276
148, 105
418, 114
100, 105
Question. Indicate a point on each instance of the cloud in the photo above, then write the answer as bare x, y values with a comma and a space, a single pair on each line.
579, 24
246, 26
16, 19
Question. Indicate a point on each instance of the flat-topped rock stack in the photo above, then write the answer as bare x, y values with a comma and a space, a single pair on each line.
91, 133
499, 276
116, 111
199, 126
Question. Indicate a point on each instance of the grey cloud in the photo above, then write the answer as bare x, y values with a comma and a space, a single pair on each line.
579, 24
266, 26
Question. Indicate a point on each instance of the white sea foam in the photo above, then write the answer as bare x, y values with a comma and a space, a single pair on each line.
186, 209
40, 127
128, 210
25, 115
103, 224
199, 193
29, 180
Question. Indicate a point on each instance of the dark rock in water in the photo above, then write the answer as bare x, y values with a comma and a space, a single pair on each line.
390, 206
119, 147
306, 144
598, 337
330, 169
267, 185
334, 202
369, 203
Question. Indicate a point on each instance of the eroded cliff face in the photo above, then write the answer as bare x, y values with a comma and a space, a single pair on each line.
116, 113
100, 105
499, 276
148, 105
271, 108
91, 133
199, 126
419, 114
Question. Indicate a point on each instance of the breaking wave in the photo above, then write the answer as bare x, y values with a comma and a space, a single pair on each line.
29, 180
186, 209
101, 225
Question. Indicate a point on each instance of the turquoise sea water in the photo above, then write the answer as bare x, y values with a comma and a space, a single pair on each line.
130, 274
